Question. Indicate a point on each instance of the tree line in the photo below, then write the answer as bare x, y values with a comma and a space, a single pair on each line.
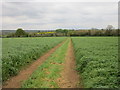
65, 32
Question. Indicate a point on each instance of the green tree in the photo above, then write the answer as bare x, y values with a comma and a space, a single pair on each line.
59, 31
63, 31
20, 33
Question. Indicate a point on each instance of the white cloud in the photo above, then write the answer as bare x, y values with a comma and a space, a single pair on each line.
52, 15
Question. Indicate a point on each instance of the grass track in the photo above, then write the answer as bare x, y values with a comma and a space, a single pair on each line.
45, 76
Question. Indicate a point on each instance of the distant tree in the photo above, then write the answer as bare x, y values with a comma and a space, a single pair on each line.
38, 31
62, 31
110, 27
20, 32
94, 29
11, 35
65, 31
59, 30
89, 32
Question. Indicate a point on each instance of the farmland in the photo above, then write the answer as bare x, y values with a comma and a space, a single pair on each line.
18, 52
96, 60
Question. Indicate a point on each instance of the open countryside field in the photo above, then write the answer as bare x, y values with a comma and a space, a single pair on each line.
60, 62
97, 61
18, 52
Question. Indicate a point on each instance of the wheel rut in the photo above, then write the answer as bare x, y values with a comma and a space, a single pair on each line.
69, 77
16, 81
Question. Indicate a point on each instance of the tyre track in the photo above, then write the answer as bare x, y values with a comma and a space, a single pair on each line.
69, 77
16, 81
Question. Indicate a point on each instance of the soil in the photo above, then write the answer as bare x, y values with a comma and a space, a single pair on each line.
69, 76
16, 81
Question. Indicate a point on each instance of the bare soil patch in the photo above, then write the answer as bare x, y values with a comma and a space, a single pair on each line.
16, 81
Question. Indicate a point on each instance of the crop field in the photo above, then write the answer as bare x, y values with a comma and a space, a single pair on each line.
93, 63
97, 61
18, 52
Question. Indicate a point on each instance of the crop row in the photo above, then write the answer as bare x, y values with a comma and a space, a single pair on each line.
97, 61
19, 52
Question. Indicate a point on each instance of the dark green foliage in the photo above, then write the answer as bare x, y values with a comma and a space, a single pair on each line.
95, 32
65, 32
97, 61
20, 33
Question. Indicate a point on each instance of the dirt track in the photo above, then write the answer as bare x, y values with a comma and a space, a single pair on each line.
69, 77
15, 82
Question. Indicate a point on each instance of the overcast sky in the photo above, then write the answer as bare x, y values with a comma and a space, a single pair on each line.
53, 15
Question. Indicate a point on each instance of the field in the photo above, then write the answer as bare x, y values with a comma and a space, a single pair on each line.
95, 60
18, 52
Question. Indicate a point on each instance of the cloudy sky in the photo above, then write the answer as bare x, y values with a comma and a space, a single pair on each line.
53, 15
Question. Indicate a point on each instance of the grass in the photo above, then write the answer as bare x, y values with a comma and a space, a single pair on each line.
46, 74
19, 52
97, 61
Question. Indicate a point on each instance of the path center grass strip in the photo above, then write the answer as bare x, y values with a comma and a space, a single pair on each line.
46, 74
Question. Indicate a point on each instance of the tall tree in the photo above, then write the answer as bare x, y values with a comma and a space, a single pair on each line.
110, 27
20, 32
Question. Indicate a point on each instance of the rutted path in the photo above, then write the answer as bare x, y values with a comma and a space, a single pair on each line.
16, 81
69, 77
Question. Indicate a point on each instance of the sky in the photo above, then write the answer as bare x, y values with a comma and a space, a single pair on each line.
58, 14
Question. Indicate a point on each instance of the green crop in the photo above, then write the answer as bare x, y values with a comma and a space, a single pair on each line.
19, 52
97, 61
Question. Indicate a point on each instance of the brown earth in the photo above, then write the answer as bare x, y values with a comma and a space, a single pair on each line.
16, 81
69, 77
